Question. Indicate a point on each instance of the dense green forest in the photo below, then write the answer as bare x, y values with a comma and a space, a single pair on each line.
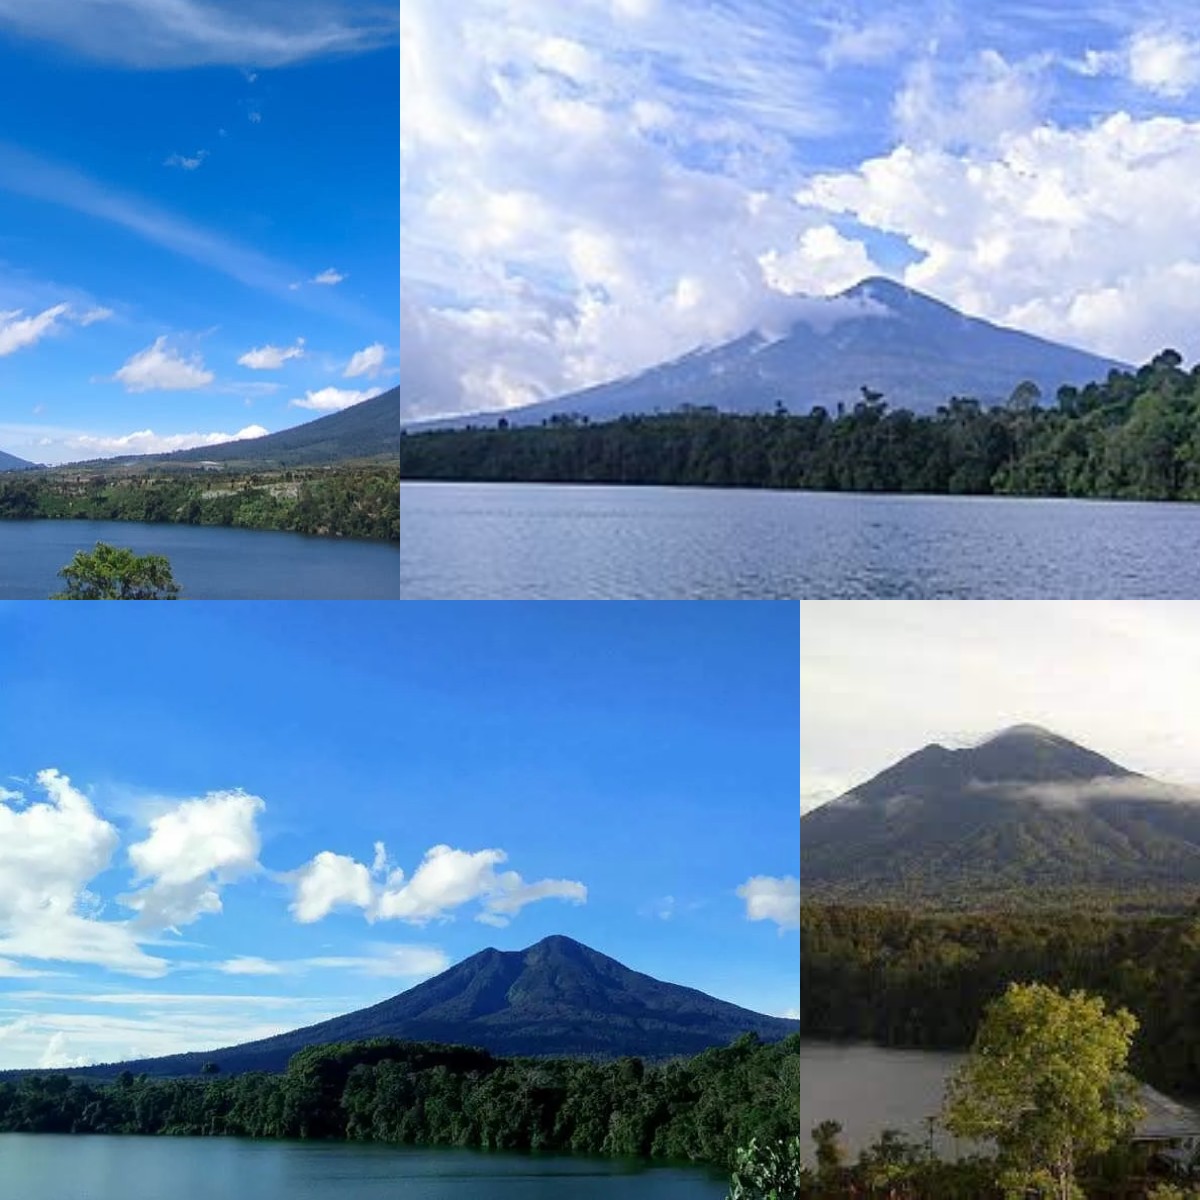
913, 978
702, 1108
347, 501
1134, 436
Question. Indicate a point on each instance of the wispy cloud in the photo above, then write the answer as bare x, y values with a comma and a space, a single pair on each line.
188, 163
156, 34
267, 358
329, 277
18, 331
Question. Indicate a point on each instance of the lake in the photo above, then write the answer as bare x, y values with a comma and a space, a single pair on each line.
209, 562
475, 541
92, 1167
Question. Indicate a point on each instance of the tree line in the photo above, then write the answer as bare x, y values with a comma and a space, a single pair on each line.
920, 978
360, 501
700, 1109
1135, 435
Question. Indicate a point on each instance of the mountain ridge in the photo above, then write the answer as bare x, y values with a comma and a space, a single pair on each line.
1024, 813
916, 350
557, 997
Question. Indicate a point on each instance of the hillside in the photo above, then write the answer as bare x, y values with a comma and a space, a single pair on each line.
557, 997
10, 462
1026, 813
370, 429
916, 350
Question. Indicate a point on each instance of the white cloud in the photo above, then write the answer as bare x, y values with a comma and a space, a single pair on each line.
248, 965
188, 163
154, 34
331, 399
191, 851
265, 358
12, 970
365, 362
327, 882
446, 879
1164, 62
255, 118
56, 1054
329, 277
49, 851
769, 898
18, 331
146, 441
1028, 239
160, 367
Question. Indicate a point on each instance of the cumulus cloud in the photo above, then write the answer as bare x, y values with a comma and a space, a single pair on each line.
446, 879
332, 399
193, 850
188, 163
266, 358
769, 898
365, 362
50, 850
146, 441
1164, 61
18, 331
161, 367
329, 277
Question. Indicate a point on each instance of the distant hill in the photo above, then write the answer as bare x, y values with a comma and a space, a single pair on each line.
10, 462
557, 997
916, 350
1025, 813
369, 429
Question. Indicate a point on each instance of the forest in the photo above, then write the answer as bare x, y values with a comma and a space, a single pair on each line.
922, 978
345, 501
701, 1108
1136, 435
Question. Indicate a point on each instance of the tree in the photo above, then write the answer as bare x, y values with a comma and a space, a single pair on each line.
115, 573
1045, 1081
769, 1172
210, 1068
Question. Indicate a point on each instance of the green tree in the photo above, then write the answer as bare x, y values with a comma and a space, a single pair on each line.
1045, 1081
115, 573
769, 1172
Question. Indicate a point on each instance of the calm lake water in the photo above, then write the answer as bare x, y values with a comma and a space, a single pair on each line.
477, 541
210, 563
57, 1167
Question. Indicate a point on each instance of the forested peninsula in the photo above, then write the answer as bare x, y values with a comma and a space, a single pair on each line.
700, 1109
1134, 436
339, 501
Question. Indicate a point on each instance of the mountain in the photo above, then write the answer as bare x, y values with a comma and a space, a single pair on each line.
369, 429
557, 997
1026, 813
916, 350
10, 462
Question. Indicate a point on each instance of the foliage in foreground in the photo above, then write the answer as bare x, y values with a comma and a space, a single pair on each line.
701, 1108
1045, 1081
903, 977
359, 502
116, 573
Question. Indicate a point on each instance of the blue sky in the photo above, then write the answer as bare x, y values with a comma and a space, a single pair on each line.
221, 823
592, 188
198, 219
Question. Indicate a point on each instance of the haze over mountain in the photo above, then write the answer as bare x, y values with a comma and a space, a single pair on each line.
557, 997
1026, 811
916, 350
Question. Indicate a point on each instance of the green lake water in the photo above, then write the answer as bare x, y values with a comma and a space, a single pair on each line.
86, 1167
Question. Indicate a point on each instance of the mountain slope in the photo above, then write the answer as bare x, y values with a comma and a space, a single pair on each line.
916, 350
557, 997
10, 462
369, 429
1026, 812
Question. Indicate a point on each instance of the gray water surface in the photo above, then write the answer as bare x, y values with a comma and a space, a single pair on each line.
475, 541
209, 562
92, 1167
